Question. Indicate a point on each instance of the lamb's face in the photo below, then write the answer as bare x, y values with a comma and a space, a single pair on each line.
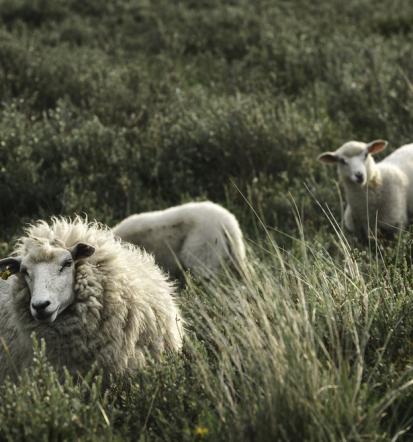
354, 161
355, 168
49, 277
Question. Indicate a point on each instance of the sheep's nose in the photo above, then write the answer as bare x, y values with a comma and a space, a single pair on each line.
40, 306
359, 177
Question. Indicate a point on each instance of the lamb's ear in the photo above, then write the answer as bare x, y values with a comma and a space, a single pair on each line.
376, 146
11, 264
328, 157
81, 250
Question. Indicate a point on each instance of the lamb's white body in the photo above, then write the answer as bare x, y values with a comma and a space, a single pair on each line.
385, 196
121, 310
198, 236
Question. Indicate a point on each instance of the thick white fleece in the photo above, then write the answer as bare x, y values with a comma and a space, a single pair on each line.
124, 309
199, 236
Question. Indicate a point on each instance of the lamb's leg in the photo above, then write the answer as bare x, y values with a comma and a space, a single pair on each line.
360, 230
348, 219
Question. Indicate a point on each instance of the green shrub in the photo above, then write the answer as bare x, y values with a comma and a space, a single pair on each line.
41, 407
110, 108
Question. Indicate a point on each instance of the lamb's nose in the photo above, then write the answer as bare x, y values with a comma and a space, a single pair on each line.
359, 177
40, 306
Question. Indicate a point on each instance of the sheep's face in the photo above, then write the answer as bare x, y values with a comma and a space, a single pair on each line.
49, 277
354, 160
50, 284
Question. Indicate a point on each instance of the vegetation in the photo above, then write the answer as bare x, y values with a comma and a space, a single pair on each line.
109, 108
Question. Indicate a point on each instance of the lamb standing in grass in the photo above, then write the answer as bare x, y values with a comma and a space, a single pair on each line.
375, 192
199, 236
90, 297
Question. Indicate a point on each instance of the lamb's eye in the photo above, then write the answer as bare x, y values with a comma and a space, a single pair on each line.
67, 263
342, 161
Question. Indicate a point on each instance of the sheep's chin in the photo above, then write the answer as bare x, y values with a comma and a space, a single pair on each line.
48, 319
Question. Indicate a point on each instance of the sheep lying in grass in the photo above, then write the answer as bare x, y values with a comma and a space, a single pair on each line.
90, 297
374, 192
197, 236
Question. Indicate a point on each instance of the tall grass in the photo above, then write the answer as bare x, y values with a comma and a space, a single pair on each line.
305, 346
303, 349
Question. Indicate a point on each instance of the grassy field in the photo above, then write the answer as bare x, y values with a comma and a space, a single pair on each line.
109, 108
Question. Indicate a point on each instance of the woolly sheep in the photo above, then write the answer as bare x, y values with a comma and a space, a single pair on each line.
198, 236
374, 192
90, 297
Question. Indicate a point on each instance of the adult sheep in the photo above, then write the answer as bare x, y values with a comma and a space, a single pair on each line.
91, 298
376, 193
197, 236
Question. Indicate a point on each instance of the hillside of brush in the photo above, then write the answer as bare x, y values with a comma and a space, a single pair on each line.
111, 108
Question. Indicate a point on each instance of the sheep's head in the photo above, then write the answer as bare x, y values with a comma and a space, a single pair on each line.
354, 160
49, 273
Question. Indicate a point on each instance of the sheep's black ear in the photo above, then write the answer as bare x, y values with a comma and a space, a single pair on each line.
81, 250
328, 157
11, 264
376, 146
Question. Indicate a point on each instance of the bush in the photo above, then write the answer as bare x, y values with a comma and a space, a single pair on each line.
120, 107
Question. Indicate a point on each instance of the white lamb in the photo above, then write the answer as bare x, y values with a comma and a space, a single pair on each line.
376, 193
199, 236
91, 298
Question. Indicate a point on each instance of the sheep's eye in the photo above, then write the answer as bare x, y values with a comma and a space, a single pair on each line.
366, 155
342, 161
67, 263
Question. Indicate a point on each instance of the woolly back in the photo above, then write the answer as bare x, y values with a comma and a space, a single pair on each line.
64, 232
110, 253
